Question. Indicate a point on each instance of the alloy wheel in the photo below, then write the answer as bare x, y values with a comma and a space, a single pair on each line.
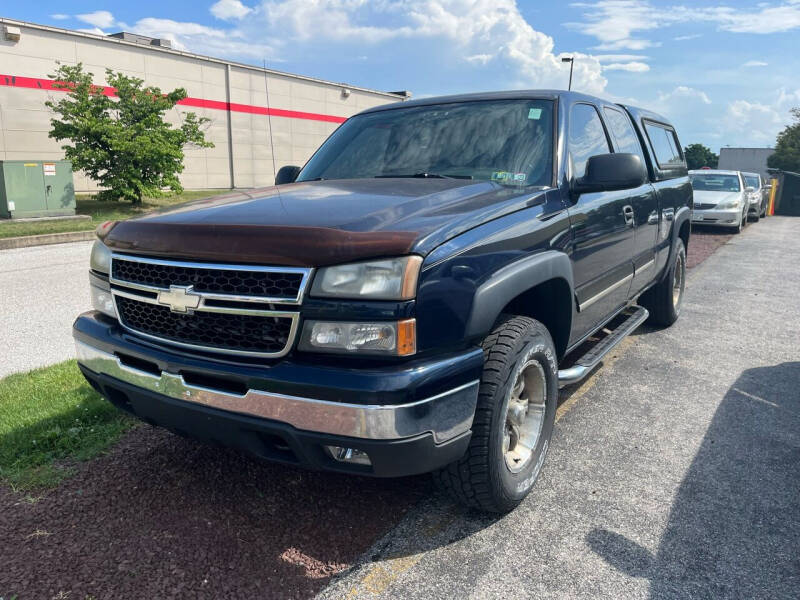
525, 415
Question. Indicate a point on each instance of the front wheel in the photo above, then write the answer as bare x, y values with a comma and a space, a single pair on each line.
513, 420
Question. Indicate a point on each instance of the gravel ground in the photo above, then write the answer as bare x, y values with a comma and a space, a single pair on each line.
42, 290
165, 517
704, 242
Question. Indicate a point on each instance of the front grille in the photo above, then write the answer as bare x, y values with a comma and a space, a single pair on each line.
210, 330
700, 206
274, 284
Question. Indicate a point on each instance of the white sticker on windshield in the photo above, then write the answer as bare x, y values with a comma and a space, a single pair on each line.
535, 113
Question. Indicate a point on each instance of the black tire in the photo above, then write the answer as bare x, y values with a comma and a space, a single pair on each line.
660, 299
739, 226
763, 210
481, 478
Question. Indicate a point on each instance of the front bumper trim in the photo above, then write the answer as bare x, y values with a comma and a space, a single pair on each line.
445, 415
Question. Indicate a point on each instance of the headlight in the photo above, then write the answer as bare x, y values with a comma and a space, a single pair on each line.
100, 260
729, 204
391, 338
390, 279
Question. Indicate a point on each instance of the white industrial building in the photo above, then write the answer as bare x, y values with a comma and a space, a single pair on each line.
245, 103
753, 160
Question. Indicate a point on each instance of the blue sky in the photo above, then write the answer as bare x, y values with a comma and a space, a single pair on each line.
725, 72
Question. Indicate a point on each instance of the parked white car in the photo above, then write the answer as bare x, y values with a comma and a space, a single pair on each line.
720, 198
757, 198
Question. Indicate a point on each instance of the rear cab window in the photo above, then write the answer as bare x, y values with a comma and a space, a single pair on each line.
665, 145
622, 132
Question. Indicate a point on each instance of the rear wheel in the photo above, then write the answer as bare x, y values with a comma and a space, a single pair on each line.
513, 420
663, 301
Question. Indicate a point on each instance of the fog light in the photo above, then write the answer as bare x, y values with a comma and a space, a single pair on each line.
102, 301
348, 455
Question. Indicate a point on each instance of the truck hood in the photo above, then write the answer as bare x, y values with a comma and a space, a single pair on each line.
319, 223
707, 197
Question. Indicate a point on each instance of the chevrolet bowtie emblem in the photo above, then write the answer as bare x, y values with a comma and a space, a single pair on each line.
179, 298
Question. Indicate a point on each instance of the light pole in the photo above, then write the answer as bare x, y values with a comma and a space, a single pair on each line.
571, 61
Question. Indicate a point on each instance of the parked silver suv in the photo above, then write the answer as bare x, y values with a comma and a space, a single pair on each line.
720, 198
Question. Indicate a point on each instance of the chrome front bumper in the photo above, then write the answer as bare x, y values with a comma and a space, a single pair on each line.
445, 415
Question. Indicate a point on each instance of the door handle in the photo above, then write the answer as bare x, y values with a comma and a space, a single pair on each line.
627, 212
652, 218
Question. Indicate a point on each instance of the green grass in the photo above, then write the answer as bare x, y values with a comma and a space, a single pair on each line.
100, 212
49, 419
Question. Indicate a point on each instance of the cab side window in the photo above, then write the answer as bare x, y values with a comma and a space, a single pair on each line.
587, 137
664, 144
621, 129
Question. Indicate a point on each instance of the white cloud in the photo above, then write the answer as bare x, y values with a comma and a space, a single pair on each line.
609, 58
633, 67
229, 10
757, 122
483, 33
769, 19
755, 63
98, 18
201, 38
617, 24
691, 36
59, 17
683, 92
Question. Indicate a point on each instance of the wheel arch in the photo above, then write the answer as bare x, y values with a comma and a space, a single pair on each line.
539, 287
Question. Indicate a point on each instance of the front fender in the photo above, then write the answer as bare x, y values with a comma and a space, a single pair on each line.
511, 281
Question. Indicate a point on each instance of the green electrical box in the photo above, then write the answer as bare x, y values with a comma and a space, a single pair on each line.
35, 188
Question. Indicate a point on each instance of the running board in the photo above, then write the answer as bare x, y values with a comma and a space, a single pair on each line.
584, 365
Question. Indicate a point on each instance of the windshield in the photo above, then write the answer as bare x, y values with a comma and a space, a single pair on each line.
751, 181
509, 142
714, 182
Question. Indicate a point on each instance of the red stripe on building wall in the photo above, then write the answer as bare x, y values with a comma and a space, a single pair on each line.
49, 85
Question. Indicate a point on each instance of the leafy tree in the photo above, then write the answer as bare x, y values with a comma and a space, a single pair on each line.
787, 147
122, 140
698, 155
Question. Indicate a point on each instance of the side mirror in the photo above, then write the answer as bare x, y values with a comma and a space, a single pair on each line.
607, 172
749, 189
287, 174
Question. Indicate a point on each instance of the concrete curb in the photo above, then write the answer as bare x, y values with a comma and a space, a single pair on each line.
46, 239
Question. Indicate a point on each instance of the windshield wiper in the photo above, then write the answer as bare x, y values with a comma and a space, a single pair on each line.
423, 175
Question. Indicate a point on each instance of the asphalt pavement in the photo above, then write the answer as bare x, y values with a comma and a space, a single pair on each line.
42, 290
674, 472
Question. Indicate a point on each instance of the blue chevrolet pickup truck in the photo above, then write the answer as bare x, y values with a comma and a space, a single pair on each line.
411, 299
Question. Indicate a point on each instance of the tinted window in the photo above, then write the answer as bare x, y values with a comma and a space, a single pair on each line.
586, 137
664, 144
506, 141
752, 181
714, 182
622, 132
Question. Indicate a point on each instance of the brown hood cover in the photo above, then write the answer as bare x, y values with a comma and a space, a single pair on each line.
273, 245
320, 223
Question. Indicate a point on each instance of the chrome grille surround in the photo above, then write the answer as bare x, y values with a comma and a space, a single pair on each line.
212, 302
